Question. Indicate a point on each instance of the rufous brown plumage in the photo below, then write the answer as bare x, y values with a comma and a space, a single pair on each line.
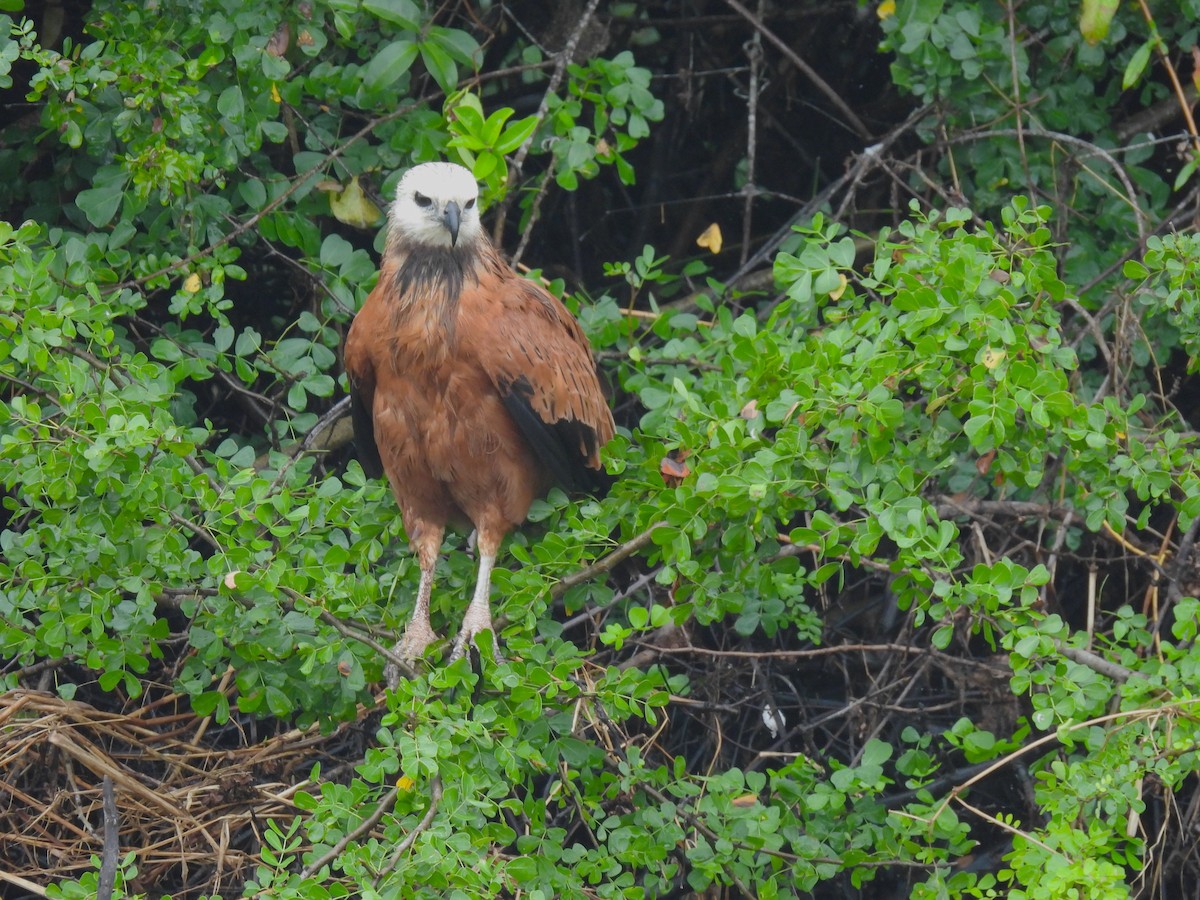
472, 388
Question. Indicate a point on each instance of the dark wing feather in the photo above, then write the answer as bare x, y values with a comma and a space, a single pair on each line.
541, 364
555, 443
361, 375
364, 433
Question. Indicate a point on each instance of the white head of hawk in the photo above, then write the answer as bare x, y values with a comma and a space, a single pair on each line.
437, 205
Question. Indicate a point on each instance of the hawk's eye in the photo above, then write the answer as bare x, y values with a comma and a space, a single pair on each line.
470, 204
422, 201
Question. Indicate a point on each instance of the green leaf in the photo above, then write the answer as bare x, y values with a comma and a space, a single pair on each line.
389, 64
1186, 172
1137, 65
230, 103
166, 350
440, 65
1095, 16
100, 204
458, 43
405, 13
253, 192
1134, 270
248, 343
515, 135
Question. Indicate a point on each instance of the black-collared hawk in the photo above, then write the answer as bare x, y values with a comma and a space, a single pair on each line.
472, 388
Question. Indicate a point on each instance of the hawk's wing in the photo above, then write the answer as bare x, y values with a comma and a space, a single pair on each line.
541, 364
360, 372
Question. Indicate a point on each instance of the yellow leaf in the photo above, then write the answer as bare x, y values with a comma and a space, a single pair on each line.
840, 289
275, 93
405, 783
191, 284
932, 407
1094, 18
993, 357
886, 9
353, 207
710, 239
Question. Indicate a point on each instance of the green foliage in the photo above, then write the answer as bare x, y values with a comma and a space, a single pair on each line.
1020, 101
85, 888
605, 114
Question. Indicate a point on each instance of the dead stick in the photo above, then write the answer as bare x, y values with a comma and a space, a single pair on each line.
112, 848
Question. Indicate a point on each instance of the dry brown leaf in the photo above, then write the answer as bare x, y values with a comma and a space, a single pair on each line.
278, 44
673, 470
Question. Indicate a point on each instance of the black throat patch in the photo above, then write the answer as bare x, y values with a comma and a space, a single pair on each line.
436, 275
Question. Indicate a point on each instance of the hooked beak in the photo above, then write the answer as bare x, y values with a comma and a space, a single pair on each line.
450, 219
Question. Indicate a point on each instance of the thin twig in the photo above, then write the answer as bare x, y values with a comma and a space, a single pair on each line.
755, 52
368, 823
435, 797
535, 212
322, 436
859, 128
869, 159
565, 58
805, 654
1015, 74
200, 531
349, 632
1057, 735
1182, 558
606, 563
1130, 196
1095, 662
23, 883
1184, 104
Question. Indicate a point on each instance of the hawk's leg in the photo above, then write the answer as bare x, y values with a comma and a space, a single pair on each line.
418, 634
478, 617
